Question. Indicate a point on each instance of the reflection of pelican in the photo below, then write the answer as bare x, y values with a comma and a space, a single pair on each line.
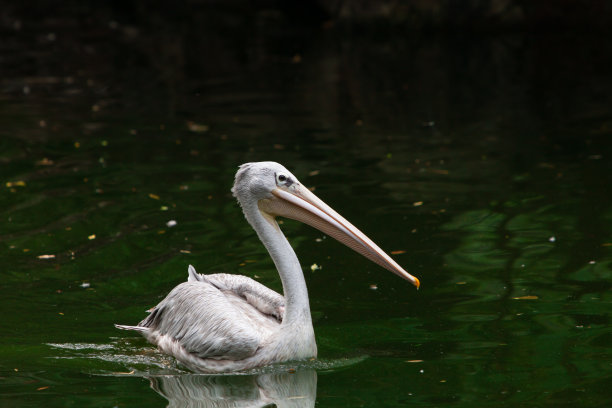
283, 389
220, 322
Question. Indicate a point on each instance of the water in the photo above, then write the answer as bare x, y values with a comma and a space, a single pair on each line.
482, 163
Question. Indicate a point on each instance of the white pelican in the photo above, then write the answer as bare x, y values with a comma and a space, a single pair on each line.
218, 323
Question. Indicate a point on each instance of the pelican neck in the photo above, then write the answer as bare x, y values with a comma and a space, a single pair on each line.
297, 306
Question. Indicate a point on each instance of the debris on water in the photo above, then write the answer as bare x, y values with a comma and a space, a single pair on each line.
314, 173
49, 256
85, 285
438, 171
18, 183
528, 297
414, 361
417, 203
373, 286
398, 252
552, 239
315, 267
185, 251
91, 237
124, 373
164, 208
171, 223
197, 127
153, 196
44, 162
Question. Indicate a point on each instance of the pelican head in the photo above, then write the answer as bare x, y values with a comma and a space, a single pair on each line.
274, 191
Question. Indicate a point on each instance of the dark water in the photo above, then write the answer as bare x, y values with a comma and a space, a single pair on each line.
482, 163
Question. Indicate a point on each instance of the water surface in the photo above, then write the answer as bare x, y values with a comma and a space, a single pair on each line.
482, 164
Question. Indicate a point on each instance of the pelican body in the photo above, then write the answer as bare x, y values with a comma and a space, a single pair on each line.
220, 322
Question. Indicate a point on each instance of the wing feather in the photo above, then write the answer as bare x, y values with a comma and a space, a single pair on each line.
257, 295
204, 322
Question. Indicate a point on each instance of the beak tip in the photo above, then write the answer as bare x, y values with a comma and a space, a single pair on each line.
417, 282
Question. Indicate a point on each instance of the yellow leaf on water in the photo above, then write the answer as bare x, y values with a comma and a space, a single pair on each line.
153, 196
91, 237
398, 252
528, 297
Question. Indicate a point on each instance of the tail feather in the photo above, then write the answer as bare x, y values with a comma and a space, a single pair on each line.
136, 328
193, 276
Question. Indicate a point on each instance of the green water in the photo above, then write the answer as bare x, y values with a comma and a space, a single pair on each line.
483, 164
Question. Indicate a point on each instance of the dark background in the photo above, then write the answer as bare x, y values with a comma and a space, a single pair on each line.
167, 57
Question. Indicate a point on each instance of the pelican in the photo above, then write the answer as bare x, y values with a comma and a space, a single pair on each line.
220, 322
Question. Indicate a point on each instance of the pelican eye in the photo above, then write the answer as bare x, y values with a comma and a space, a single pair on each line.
283, 179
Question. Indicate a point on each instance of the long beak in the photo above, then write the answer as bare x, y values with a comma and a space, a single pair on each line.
302, 205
